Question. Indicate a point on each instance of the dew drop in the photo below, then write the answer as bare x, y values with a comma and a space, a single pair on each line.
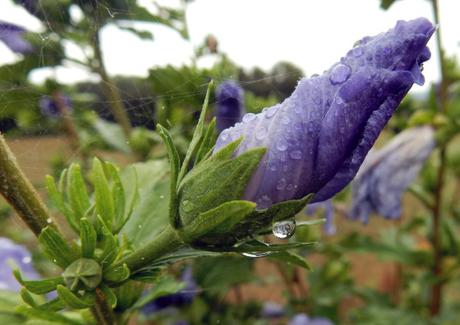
282, 145
139, 226
281, 185
49, 220
224, 135
285, 120
284, 229
261, 133
249, 117
289, 187
270, 112
162, 196
26, 260
339, 74
357, 52
296, 154
256, 254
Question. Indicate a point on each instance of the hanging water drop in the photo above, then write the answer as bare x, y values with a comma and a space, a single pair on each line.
249, 117
284, 229
256, 254
339, 74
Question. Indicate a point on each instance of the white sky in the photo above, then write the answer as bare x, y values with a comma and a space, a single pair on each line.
311, 34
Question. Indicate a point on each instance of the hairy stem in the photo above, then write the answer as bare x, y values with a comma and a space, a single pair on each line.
436, 290
102, 311
19, 192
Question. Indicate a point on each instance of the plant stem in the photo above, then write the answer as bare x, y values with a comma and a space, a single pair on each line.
436, 290
19, 192
109, 87
102, 311
166, 242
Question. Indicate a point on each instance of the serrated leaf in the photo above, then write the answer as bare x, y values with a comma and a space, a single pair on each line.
104, 201
175, 165
88, 237
58, 200
197, 135
56, 247
76, 192
38, 287
72, 300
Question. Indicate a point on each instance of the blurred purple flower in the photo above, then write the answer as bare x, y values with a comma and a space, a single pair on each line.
388, 172
319, 136
303, 319
230, 105
49, 107
181, 298
272, 310
328, 207
14, 255
13, 37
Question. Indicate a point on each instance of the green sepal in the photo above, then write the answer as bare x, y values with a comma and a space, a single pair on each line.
83, 274
291, 258
228, 179
28, 299
88, 238
38, 287
208, 141
52, 305
259, 220
211, 225
127, 294
117, 274
76, 192
174, 163
197, 135
46, 315
105, 206
73, 300
56, 247
109, 295
58, 200
118, 195
110, 245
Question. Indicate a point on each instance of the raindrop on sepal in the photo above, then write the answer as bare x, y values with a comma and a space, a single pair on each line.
284, 229
257, 254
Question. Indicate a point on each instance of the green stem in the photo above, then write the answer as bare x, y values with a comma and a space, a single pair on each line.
166, 242
19, 192
110, 89
436, 290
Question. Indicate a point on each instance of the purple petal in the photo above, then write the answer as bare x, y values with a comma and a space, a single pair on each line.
230, 105
13, 37
319, 136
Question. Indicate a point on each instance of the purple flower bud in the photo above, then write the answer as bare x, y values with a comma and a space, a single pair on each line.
49, 107
388, 172
318, 137
13, 37
230, 105
14, 255
328, 207
303, 319
181, 298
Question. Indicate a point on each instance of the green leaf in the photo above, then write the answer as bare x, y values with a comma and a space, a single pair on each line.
291, 258
104, 201
208, 141
174, 163
56, 247
197, 135
47, 316
150, 214
58, 200
88, 237
38, 287
76, 192
110, 246
74, 301
166, 286
118, 194
218, 221
228, 179
112, 134
27, 298
143, 34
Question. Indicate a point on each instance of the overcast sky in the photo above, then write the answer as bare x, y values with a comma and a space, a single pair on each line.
310, 34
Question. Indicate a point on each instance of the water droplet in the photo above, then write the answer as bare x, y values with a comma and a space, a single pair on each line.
26, 260
261, 133
289, 187
315, 75
162, 196
282, 145
357, 52
256, 254
339, 100
296, 154
49, 220
281, 184
339, 74
284, 229
271, 111
249, 117
224, 135
139, 226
